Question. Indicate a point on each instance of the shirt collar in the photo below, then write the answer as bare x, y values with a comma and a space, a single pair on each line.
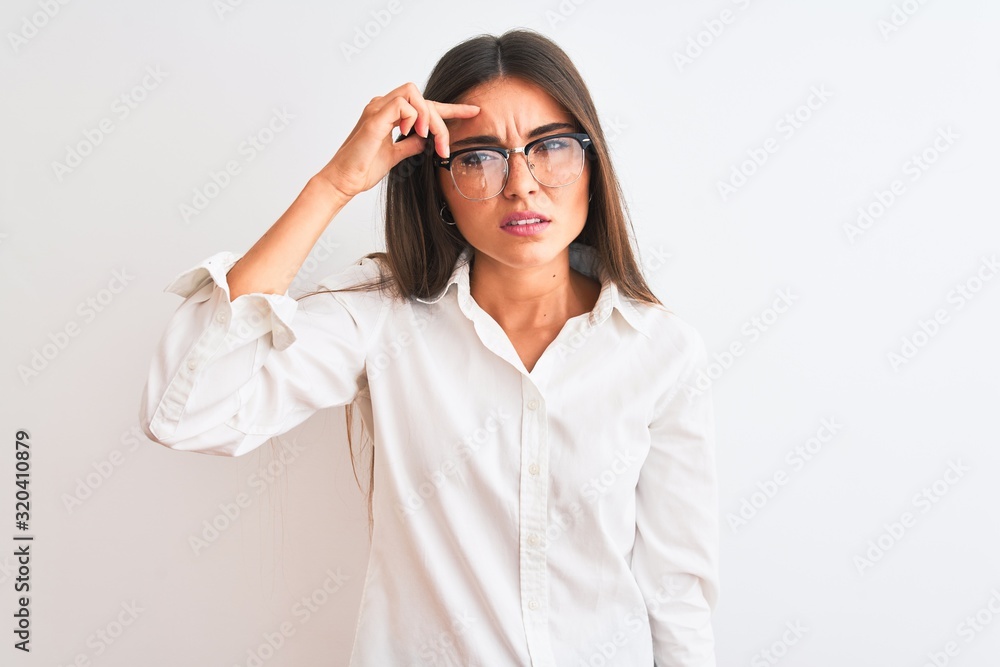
583, 258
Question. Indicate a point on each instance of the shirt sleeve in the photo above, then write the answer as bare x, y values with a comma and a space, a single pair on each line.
675, 555
228, 375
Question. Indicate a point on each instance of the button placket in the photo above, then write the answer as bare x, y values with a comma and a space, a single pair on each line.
213, 337
176, 395
533, 520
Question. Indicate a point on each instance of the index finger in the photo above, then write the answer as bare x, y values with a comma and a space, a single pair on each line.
449, 110
438, 127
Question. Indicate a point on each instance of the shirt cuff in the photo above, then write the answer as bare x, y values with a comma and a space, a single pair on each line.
259, 311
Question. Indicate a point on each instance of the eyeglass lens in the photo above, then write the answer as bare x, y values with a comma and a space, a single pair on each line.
482, 174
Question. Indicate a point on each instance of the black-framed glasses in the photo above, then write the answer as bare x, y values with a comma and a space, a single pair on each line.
481, 172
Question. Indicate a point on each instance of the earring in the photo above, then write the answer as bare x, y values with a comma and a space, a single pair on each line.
441, 213
591, 198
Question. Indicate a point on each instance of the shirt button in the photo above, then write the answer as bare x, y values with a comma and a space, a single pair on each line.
192, 364
532, 539
532, 605
532, 404
221, 317
533, 468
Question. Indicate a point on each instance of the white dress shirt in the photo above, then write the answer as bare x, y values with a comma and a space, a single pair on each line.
563, 517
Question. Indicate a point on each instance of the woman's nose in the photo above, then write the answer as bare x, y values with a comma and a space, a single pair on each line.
520, 182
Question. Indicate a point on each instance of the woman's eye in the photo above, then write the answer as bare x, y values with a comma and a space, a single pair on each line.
473, 160
552, 145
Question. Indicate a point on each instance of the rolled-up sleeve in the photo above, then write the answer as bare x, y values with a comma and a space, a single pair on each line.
675, 555
227, 375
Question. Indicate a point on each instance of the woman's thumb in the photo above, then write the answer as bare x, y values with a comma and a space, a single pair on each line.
409, 146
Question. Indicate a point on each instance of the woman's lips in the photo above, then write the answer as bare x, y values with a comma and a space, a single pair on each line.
524, 217
529, 227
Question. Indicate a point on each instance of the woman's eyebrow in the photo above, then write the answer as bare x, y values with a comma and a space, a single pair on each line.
493, 140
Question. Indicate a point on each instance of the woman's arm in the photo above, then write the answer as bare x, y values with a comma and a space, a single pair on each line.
227, 375
364, 158
270, 266
241, 361
675, 557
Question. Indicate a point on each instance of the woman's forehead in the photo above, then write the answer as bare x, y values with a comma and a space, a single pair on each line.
508, 105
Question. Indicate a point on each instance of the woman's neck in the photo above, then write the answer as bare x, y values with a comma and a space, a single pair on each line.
540, 297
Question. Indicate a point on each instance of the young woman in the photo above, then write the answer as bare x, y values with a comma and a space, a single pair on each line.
543, 487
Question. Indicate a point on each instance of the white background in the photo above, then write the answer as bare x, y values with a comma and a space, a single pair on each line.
678, 129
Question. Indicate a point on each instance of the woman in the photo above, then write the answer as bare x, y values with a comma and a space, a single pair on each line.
543, 482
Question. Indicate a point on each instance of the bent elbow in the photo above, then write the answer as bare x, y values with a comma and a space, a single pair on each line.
220, 441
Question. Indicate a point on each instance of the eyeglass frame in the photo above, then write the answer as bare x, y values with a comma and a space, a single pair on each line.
445, 162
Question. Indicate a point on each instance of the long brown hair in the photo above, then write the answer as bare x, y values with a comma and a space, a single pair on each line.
421, 250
